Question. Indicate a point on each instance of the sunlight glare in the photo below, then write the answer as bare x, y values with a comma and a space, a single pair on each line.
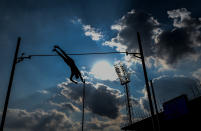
104, 71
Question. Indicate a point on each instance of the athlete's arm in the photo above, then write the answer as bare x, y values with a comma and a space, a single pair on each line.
62, 52
59, 54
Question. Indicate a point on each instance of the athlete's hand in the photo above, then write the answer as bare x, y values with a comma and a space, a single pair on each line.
56, 46
54, 49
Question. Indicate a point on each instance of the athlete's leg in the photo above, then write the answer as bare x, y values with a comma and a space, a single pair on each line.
71, 77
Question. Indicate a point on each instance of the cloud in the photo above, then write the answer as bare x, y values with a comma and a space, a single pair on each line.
105, 124
128, 26
103, 104
89, 31
114, 42
92, 32
76, 21
65, 106
197, 74
22, 120
126, 38
100, 99
43, 91
166, 46
167, 88
181, 41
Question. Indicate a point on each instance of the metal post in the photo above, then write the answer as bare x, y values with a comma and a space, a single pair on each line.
146, 80
155, 103
154, 97
10, 85
129, 106
83, 104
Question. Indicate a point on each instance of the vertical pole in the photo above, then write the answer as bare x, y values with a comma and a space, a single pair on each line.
10, 85
128, 102
83, 104
146, 80
155, 103
154, 97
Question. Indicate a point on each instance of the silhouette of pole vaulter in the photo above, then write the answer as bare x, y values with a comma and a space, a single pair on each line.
70, 62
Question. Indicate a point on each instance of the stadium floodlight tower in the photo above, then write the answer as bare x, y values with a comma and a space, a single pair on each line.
124, 79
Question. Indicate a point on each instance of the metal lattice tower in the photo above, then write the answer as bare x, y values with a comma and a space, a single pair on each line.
124, 79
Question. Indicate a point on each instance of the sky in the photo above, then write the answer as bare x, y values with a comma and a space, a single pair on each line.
43, 98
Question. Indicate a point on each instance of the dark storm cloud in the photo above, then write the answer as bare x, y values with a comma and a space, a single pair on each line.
167, 88
127, 28
178, 43
169, 45
174, 45
21, 120
100, 99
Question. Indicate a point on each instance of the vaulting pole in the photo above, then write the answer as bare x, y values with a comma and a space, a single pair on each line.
10, 85
146, 80
83, 105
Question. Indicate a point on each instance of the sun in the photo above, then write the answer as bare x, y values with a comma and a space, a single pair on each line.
104, 71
